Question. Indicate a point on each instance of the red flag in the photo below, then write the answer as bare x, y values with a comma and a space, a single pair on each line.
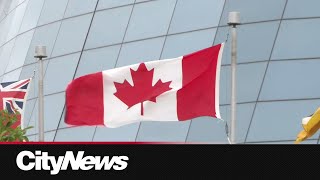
175, 89
13, 97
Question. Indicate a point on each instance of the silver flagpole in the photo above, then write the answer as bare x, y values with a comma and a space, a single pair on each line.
40, 53
234, 20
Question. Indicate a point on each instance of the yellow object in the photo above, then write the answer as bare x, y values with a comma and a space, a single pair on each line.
310, 126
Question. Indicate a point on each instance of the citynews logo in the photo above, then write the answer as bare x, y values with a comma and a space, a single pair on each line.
42, 161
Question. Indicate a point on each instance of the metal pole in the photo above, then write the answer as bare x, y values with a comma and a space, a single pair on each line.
40, 54
41, 125
234, 20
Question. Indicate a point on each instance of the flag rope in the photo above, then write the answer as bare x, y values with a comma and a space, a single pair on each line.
227, 132
228, 32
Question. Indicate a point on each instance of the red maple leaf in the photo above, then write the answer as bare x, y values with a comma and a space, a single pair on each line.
142, 89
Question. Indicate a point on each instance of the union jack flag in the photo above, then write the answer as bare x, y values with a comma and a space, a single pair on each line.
13, 97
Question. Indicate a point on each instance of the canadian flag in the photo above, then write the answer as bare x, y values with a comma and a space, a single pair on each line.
175, 89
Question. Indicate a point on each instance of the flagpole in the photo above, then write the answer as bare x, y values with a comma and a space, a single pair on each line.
40, 53
234, 20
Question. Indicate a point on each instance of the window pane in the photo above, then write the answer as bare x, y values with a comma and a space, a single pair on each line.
141, 1
31, 15
140, 51
182, 44
45, 35
291, 80
108, 27
98, 60
249, 80
103, 4
254, 10
210, 130
123, 133
12, 76
72, 35
297, 39
163, 131
75, 134
280, 120
30, 71
28, 111
157, 13
14, 21
255, 41
53, 110
52, 10
48, 137
53, 106
20, 50
298, 8
5, 55
57, 78
13, 4
191, 15
76, 7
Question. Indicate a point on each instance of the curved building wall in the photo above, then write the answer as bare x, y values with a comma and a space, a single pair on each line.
278, 60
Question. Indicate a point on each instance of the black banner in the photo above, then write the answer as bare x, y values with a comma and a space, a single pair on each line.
159, 160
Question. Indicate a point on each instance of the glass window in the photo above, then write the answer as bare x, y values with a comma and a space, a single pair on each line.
253, 10
298, 9
3, 31
13, 4
183, 44
206, 129
57, 78
48, 137
191, 15
255, 41
62, 124
72, 35
104, 4
5, 55
98, 60
32, 138
108, 27
141, 1
45, 35
280, 120
31, 15
14, 21
28, 111
123, 133
140, 51
34, 121
53, 109
52, 10
249, 80
76, 7
30, 71
20, 50
157, 13
2, 14
291, 80
5, 5
75, 134
163, 131
53, 106
12, 76
293, 38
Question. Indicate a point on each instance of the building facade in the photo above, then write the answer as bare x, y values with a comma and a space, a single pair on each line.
278, 61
